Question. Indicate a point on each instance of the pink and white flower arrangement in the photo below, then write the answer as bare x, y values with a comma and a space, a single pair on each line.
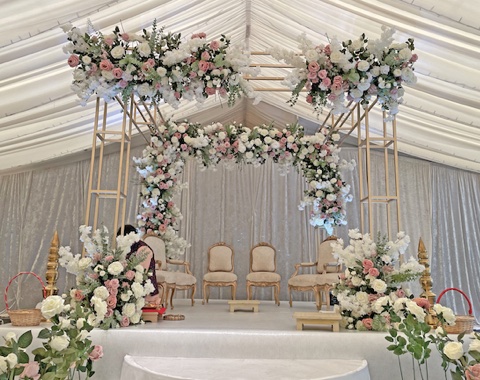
155, 66
372, 279
163, 161
108, 284
65, 352
351, 71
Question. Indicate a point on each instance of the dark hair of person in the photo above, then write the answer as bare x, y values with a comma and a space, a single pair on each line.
126, 230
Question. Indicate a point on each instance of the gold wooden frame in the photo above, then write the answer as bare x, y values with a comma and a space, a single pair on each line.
208, 284
274, 284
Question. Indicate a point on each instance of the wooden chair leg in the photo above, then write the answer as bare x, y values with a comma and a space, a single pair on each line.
248, 291
194, 289
205, 299
277, 294
234, 291
171, 297
290, 295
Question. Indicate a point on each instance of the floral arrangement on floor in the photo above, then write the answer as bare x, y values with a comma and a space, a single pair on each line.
156, 66
410, 334
163, 161
353, 70
65, 352
108, 284
372, 278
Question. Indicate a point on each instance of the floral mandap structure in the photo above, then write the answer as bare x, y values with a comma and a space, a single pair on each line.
163, 161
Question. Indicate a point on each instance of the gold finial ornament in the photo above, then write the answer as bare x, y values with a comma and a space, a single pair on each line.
427, 283
52, 266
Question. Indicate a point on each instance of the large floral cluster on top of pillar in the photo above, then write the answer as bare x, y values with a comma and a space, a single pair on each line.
163, 160
156, 66
352, 70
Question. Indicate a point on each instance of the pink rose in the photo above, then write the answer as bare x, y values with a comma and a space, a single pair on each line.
108, 41
337, 80
108, 258
162, 228
387, 269
125, 36
309, 99
117, 72
125, 321
367, 265
313, 66
30, 370
203, 66
367, 322
199, 35
322, 74
374, 272
222, 91
326, 82
111, 301
414, 58
214, 45
106, 65
473, 372
130, 275
209, 90
109, 313
327, 50
78, 295
114, 283
400, 293
73, 60
205, 56
96, 353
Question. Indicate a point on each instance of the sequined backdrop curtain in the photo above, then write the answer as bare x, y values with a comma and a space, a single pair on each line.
243, 207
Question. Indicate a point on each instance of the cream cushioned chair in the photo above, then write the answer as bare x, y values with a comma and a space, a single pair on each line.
172, 280
321, 282
220, 270
263, 265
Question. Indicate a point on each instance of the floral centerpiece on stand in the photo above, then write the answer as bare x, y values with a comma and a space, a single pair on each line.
372, 278
155, 65
110, 285
352, 70
162, 162
65, 352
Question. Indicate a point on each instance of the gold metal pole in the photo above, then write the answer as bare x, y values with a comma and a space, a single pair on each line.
51, 275
427, 283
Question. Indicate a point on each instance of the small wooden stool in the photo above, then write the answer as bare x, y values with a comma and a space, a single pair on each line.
243, 304
331, 318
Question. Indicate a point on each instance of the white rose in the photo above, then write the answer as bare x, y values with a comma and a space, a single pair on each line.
331, 197
162, 71
84, 263
446, 312
124, 297
474, 345
92, 321
144, 49
86, 59
405, 54
65, 324
129, 310
52, 306
416, 310
453, 350
101, 292
115, 268
356, 281
290, 139
80, 322
363, 66
379, 286
138, 277
222, 135
362, 297
3, 365
137, 290
59, 343
311, 55
12, 360
135, 318
356, 44
83, 335
249, 155
108, 75
117, 52
337, 57
10, 336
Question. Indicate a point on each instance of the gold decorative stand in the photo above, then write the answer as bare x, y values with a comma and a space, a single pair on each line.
251, 305
51, 275
135, 113
427, 283
328, 318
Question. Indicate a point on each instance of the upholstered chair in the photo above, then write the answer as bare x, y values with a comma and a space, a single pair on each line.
326, 274
263, 266
220, 270
172, 280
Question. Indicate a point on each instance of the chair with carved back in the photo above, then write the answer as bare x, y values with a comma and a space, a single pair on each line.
172, 280
220, 270
263, 266
327, 270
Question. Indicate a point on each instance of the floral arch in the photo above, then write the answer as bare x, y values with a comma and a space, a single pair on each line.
317, 156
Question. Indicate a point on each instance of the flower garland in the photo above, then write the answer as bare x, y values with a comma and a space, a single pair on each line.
108, 284
163, 161
155, 66
353, 70
371, 279
65, 352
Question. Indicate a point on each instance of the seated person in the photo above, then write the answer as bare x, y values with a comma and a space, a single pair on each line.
153, 299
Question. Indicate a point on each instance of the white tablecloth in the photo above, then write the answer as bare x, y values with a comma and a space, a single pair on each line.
162, 368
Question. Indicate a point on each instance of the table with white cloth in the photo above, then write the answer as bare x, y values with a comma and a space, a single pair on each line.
163, 368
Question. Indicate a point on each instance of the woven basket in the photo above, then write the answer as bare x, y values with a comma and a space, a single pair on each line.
24, 317
463, 323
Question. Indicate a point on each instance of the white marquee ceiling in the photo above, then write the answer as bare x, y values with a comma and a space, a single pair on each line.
439, 121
